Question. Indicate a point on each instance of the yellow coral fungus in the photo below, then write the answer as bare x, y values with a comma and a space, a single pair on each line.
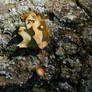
35, 22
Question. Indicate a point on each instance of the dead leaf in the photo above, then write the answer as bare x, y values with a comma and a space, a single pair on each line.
35, 22
30, 19
24, 16
26, 37
41, 33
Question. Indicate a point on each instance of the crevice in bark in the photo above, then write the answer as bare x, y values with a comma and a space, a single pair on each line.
84, 8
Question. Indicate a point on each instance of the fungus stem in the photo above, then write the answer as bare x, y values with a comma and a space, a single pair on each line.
42, 57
